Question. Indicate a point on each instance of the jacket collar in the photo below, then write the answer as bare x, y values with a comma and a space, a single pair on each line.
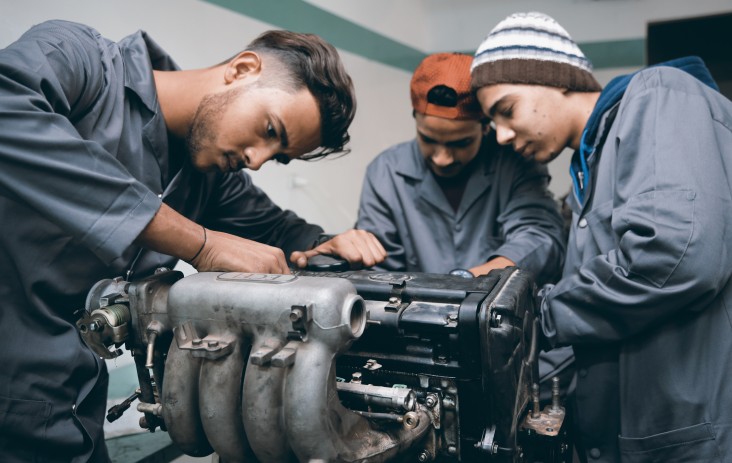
415, 168
141, 55
138, 75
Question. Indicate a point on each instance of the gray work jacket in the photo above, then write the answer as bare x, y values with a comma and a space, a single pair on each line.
646, 298
85, 162
506, 211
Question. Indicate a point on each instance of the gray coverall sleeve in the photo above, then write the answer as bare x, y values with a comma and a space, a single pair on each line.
669, 246
244, 210
47, 78
532, 224
375, 215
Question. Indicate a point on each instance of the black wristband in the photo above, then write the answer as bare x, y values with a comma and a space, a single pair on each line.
201, 248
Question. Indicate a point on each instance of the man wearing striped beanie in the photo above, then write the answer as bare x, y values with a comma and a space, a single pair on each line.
646, 290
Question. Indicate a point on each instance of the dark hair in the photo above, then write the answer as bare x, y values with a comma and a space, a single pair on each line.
314, 63
443, 95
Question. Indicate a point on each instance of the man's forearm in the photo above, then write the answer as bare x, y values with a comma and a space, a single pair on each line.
172, 234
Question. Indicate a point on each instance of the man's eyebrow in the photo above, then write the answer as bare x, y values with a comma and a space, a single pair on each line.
284, 142
462, 141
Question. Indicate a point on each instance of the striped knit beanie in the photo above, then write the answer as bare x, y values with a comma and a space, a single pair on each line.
532, 48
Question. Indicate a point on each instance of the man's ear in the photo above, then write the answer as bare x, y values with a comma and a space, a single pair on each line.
486, 126
245, 64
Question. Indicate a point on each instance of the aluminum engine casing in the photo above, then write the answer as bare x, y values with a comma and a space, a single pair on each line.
351, 366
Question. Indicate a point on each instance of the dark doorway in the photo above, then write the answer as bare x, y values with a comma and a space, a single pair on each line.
709, 37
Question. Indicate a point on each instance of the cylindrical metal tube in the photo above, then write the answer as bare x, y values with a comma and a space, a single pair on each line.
389, 397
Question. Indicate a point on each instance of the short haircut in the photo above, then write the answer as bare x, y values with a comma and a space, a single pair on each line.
312, 62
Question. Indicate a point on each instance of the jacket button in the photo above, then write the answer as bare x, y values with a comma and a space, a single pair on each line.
582, 223
595, 453
458, 227
582, 372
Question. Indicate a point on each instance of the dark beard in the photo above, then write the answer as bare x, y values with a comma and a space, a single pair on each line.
201, 131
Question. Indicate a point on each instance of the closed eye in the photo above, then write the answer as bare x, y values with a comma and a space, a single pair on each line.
506, 111
271, 132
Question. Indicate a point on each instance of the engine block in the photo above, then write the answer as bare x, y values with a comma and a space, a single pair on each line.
334, 367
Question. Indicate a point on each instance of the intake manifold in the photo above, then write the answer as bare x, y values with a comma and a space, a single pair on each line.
250, 373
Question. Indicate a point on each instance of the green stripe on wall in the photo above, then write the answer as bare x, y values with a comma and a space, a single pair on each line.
299, 16
615, 53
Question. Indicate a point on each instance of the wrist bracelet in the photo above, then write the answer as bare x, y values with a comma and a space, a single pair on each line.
201, 248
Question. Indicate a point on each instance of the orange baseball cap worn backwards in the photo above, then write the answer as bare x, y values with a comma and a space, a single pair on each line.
441, 87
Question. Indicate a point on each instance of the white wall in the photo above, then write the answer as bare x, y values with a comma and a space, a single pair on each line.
450, 25
199, 34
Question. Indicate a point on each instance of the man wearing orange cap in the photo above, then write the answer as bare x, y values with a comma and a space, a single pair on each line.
453, 198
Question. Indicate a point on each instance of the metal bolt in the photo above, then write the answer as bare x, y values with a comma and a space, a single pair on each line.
452, 317
393, 300
451, 449
555, 394
356, 377
423, 456
536, 411
296, 314
213, 343
196, 342
411, 420
430, 401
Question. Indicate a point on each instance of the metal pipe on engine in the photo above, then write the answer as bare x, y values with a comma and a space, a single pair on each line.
388, 397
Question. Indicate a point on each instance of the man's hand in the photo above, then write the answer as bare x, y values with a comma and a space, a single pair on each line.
358, 247
172, 234
496, 262
228, 253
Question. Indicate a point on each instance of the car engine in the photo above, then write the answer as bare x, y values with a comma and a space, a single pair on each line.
353, 366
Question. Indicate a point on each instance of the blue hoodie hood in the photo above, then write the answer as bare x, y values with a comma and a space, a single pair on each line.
611, 94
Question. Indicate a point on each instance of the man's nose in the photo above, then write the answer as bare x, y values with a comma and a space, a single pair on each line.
256, 157
442, 157
504, 135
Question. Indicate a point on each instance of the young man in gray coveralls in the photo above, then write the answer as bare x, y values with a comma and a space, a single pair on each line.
645, 299
113, 162
452, 198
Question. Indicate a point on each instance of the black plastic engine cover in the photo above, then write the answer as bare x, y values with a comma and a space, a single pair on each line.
467, 342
